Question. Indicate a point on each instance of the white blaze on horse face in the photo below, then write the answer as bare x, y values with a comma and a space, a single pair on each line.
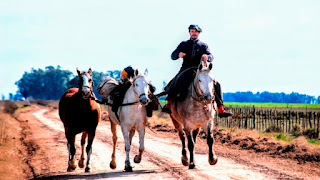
86, 85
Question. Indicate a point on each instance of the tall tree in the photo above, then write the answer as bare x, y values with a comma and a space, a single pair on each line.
48, 84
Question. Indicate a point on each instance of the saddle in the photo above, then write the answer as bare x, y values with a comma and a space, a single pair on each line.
118, 93
181, 84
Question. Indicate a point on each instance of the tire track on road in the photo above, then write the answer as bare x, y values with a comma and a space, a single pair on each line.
159, 159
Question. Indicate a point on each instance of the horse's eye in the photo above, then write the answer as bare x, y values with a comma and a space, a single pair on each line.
90, 80
199, 80
136, 84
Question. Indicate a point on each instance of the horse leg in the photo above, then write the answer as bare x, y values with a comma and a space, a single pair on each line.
89, 149
83, 142
178, 126
137, 158
195, 134
213, 159
191, 148
125, 132
131, 134
113, 163
72, 151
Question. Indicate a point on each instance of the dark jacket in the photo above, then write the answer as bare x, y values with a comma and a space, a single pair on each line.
194, 50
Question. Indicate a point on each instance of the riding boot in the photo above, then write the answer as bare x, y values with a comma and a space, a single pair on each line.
167, 108
222, 112
149, 110
218, 96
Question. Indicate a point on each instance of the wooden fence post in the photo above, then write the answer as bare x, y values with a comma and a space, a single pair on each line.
289, 118
318, 117
254, 118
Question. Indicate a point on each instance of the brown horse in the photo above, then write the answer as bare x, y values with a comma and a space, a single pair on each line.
195, 112
79, 112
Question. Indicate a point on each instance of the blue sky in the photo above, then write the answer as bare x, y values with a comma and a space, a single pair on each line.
258, 45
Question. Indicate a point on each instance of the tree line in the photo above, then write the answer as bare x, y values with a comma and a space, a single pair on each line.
51, 83
269, 97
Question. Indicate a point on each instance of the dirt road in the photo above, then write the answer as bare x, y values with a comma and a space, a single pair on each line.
46, 146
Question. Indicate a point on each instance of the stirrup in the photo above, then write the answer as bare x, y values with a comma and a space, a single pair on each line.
167, 109
225, 114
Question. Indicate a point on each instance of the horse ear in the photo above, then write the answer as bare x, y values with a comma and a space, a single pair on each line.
90, 71
210, 66
78, 71
146, 72
136, 72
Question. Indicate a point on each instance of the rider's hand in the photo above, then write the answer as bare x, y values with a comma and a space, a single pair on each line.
181, 54
205, 57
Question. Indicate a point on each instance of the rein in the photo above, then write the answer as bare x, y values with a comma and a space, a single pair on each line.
199, 97
105, 102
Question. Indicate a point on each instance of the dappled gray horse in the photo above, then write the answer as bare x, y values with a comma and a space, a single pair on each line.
195, 112
132, 117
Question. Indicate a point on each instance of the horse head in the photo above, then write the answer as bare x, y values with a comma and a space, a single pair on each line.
85, 83
141, 86
203, 84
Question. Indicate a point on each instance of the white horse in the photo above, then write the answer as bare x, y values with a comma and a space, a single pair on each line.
132, 116
195, 112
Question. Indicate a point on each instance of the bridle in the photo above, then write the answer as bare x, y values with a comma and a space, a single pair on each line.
134, 85
91, 96
199, 97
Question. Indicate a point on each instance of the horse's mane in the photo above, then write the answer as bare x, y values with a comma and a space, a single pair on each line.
138, 76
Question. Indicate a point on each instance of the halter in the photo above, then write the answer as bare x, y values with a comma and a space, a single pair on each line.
91, 96
133, 84
199, 97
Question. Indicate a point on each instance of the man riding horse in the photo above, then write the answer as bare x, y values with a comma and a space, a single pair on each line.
192, 51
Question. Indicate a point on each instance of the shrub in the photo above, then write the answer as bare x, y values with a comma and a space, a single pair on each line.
10, 107
296, 130
311, 133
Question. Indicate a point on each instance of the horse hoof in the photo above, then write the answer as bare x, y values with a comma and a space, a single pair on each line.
81, 164
213, 160
128, 169
137, 159
192, 166
87, 169
113, 165
70, 169
184, 161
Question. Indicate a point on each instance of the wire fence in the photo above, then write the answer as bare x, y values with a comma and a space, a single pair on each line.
272, 120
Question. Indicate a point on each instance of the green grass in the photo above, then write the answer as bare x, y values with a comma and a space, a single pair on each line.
273, 105
162, 102
314, 141
265, 105
283, 137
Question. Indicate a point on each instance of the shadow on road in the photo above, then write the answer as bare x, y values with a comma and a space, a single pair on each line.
97, 175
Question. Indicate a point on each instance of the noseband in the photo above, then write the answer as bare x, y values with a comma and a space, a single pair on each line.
199, 97
91, 96
133, 84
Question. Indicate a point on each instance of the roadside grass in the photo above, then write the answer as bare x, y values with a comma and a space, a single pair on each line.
264, 105
284, 137
3, 129
272, 105
314, 141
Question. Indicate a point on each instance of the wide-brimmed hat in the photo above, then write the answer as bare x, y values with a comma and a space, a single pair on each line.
196, 27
